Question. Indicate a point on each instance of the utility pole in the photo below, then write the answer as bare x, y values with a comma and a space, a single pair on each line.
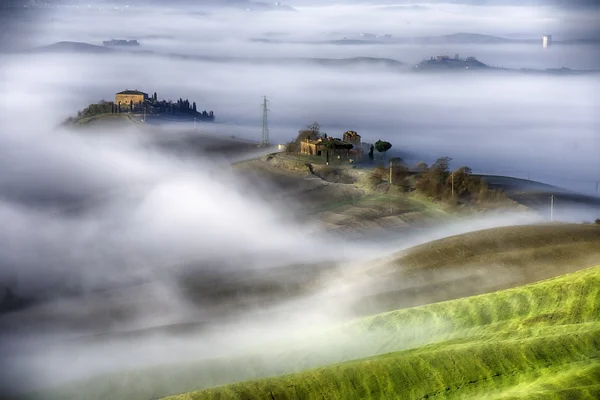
144, 113
390, 172
452, 178
265, 126
552, 208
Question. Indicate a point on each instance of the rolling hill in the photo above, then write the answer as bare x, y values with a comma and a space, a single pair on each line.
72, 47
478, 262
540, 341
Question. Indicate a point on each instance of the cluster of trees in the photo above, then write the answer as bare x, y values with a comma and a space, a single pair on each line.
103, 107
438, 181
181, 106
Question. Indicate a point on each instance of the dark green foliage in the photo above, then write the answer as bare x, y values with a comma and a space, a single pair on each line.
180, 108
102, 107
597, 221
382, 146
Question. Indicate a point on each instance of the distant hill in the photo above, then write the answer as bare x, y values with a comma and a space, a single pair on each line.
457, 38
77, 47
374, 61
427, 65
72, 47
445, 63
454, 38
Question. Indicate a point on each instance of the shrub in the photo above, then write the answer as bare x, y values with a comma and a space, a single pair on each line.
291, 147
376, 175
399, 175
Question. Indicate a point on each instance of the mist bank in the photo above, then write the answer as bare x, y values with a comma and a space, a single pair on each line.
358, 61
496, 123
170, 251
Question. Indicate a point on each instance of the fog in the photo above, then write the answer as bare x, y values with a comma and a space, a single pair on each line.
537, 126
106, 232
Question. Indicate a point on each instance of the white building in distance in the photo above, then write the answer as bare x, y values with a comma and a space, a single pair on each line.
546, 41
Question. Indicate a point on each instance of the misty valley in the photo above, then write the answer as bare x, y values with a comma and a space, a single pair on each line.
299, 200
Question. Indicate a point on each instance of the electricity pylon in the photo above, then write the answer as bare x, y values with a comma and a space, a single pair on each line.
265, 125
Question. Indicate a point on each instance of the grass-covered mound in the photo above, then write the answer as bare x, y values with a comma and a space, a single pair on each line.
481, 262
540, 341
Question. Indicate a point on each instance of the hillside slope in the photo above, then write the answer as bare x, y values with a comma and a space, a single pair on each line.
540, 341
476, 263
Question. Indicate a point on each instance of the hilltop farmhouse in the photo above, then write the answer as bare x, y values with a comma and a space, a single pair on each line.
127, 96
350, 144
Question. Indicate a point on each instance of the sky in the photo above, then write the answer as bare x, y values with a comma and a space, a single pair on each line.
152, 212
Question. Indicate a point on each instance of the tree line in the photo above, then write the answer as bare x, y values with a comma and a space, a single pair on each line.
437, 181
152, 106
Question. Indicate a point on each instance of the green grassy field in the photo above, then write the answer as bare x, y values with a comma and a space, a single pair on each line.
540, 341
106, 118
